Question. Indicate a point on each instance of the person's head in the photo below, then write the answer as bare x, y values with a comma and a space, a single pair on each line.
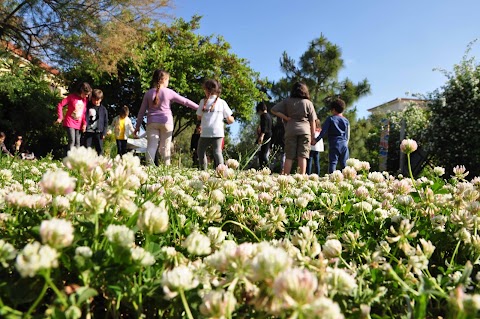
300, 90
336, 105
124, 111
261, 107
18, 139
160, 79
83, 89
2, 137
212, 87
97, 96
318, 125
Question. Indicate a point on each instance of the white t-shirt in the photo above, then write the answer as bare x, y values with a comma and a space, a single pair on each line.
319, 146
212, 121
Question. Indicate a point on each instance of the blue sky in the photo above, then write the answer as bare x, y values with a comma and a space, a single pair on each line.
394, 44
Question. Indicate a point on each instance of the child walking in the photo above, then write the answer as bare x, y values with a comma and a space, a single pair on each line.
299, 114
337, 128
74, 120
156, 102
97, 122
211, 112
122, 128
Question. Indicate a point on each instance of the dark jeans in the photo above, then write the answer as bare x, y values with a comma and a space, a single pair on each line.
73, 136
121, 147
264, 152
94, 139
203, 143
337, 153
313, 160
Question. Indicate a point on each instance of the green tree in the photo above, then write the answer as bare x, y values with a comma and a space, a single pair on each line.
453, 134
190, 59
319, 68
27, 106
66, 31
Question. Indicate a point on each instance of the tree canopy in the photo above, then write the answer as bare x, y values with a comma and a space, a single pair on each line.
319, 68
63, 32
190, 58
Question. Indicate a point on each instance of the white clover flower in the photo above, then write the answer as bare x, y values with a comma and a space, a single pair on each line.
217, 196
269, 262
324, 308
363, 207
336, 176
295, 287
408, 146
233, 163
349, 173
153, 219
197, 244
57, 183
141, 256
179, 278
216, 235
340, 281
61, 202
332, 248
355, 163
34, 258
7, 252
301, 202
95, 201
376, 177
218, 304
460, 171
81, 159
6, 175
439, 171
83, 251
120, 235
57, 233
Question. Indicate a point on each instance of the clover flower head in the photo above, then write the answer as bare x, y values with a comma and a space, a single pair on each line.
7, 252
269, 262
83, 251
57, 182
141, 256
332, 248
439, 171
81, 159
57, 233
178, 278
295, 287
339, 280
153, 219
408, 146
197, 244
218, 304
120, 235
460, 171
324, 308
34, 257
233, 163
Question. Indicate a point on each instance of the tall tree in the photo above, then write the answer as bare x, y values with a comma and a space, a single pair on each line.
64, 31
453, 134
190, 58
319, 68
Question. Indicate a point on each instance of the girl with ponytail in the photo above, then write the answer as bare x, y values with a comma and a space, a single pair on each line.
157, 104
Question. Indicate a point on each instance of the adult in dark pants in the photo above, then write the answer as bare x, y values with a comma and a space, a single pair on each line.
264, 134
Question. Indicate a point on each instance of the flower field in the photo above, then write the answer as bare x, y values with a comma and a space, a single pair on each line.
93, 237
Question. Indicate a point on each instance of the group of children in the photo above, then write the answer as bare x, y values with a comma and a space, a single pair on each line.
89, 116
18, 148
303, 135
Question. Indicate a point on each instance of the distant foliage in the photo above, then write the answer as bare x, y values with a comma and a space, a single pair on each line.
453, 133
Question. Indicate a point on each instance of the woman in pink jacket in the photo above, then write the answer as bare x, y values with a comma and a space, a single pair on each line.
74, 120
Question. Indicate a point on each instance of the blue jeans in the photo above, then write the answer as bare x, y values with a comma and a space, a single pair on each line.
337, 153
313, 160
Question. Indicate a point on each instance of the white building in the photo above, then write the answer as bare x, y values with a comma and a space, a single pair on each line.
396, 105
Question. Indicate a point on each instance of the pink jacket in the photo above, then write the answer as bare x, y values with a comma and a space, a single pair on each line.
75, 117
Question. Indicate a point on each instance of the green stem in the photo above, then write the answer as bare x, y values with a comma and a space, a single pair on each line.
50, 283
454, 253
242, 226
402, 283
185, 304
37, 301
